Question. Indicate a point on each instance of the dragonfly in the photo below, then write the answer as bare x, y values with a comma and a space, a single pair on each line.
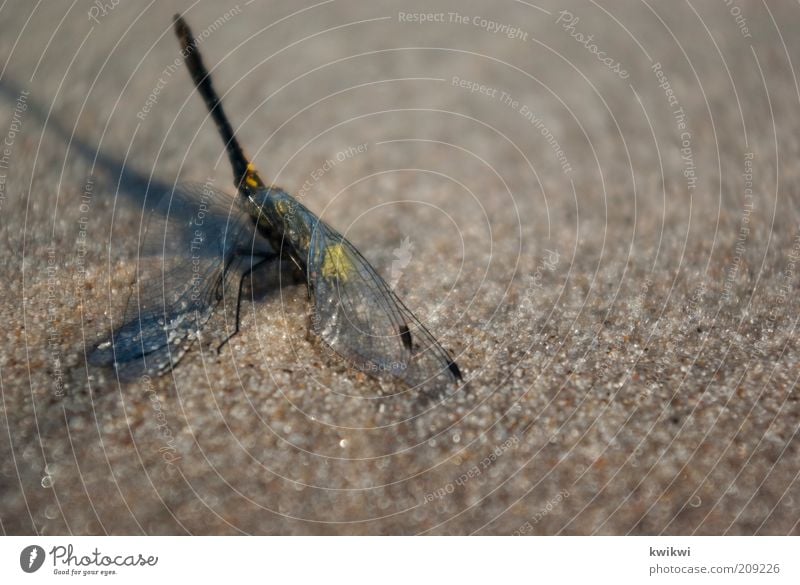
200, 245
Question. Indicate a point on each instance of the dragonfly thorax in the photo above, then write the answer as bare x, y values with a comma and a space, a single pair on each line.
283, 220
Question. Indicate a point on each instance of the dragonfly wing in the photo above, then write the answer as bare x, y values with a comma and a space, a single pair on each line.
363, 320
197, 244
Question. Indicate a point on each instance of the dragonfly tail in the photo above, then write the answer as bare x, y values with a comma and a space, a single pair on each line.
245, 174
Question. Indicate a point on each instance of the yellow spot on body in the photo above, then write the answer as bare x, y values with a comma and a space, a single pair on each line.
336, 263
252, 179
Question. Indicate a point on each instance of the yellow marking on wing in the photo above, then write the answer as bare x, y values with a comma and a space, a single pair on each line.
336, 263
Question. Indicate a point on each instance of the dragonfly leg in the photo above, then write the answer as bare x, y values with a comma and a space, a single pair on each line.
253, 265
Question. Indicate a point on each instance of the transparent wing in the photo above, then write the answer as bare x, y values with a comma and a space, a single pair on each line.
360, 317
197, 244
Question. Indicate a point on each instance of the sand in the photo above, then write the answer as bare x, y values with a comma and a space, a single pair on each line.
604, 232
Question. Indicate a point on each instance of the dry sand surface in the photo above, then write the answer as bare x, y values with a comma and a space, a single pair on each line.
604, 231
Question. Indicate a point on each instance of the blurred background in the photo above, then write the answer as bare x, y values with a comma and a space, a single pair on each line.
593, 206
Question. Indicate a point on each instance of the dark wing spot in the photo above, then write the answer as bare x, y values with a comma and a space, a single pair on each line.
405, 335
454, 370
